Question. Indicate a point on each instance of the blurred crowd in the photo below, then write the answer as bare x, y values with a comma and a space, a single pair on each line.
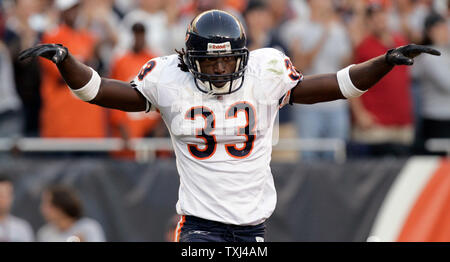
62, 210
117, 37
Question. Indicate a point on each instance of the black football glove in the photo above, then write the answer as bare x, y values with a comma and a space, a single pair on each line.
53, 52
404, 55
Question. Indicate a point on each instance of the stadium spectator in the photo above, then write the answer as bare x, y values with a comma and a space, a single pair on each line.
12, 228
125, 68
434, 78
280, 14
383, 116
151, 14
320, 45
63, 212
11, 117
62, 115
352, 14
100, 19
180, 13
281, 11
258, 19
22, 31
408, 16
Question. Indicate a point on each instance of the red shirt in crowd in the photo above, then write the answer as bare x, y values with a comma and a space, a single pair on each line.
137, 124
62, 114
390, 99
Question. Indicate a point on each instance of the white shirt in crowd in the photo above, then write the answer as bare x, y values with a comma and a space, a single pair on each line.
433, 73
14, 229
9, 99
332, 56
157, 33
85, 230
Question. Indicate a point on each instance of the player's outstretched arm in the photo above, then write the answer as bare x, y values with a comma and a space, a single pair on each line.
86, 83
353, 81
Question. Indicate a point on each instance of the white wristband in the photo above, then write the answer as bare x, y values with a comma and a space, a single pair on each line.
90, 90
348, 90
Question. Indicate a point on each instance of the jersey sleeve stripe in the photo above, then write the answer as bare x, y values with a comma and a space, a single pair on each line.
148, 106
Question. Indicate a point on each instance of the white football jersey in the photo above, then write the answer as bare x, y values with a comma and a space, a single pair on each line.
223, 144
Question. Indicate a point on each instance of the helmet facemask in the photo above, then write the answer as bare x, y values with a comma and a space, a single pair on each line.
207, 82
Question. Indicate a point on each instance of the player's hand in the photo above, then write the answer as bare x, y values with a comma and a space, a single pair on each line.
53, 52
404, 55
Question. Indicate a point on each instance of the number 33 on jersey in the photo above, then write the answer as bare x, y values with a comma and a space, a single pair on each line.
207, 132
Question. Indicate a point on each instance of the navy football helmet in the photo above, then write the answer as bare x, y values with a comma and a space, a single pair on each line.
211, 34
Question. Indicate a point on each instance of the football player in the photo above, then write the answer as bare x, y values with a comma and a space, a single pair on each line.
219, 102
